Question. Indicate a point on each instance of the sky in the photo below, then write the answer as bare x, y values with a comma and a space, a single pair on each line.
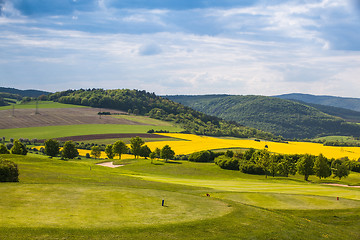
182, 46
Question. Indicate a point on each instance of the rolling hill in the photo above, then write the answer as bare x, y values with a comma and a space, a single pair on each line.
340, 102
23, 93
287, 118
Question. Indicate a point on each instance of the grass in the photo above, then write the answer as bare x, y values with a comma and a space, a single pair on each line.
126, 140
144, 119
41, 104
75, 130
345, 139
79, 200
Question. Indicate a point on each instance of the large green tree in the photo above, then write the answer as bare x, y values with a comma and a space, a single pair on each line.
321, 167
287, 166
339, 169
118, 148
135, 144
167, 153
109, 151
18, 148
69, 150
305, 166
145, 151
52, 147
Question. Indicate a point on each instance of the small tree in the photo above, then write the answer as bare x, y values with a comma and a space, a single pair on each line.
305, 166
287, 166
119, 148
18, 148
135, 144
152, 156
8, 171
145, 151
321, 167
95, 151
3, 149
157, 152
69, 150
109, 151
52, 147
167, 153
339, 169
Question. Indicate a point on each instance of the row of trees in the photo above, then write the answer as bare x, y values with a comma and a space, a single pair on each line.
16, 148
263, 162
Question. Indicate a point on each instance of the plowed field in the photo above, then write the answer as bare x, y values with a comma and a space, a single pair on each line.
58, 116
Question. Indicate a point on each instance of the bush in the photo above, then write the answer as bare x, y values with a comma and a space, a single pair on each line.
203, 156
252, 168
8, 171
87, 155
227, 163
3, 149
18, 148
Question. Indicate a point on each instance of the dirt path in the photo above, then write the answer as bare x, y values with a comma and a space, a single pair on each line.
109, 164
340, 185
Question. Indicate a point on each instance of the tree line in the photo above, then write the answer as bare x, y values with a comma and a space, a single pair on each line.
262, 162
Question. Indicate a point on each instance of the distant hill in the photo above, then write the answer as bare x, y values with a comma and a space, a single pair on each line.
24, 93
287, 118
145, 103
348, 103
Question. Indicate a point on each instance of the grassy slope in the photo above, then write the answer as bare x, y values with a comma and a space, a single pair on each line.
60, 200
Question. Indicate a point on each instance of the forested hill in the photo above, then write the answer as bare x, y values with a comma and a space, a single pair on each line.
23, 93
281, 117
341, 102
145, 103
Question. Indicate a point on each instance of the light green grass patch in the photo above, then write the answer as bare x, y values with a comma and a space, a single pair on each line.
144, 119
58, 205
127, 140
289, 201
41, 104
82, 129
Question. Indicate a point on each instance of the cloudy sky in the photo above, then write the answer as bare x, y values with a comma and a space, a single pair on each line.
182, 46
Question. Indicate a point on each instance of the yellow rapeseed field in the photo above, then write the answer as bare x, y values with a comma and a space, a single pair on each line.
194, 143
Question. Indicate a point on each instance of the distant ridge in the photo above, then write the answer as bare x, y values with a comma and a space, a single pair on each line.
340, 102
24, 93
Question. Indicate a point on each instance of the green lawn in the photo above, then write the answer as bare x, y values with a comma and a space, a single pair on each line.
79, 200
82, 129
41, 104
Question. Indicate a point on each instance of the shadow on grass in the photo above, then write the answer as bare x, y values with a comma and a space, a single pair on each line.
173, 162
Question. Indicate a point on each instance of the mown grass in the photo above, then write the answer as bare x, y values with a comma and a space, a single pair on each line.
79, 200
41, 104
82, 129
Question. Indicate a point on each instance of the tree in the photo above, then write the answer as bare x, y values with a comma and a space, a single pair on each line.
157, 152
305, 166
167, 153
18, 148
135, 144
3, 149
145, 151
339, 169
95, 151
273, 164
119, 148
287, 166
52, 147
152, 156
69, 150
321, 167
109, 151
8, 171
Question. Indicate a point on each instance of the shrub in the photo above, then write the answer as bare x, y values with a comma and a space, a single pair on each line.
3, 149
202, 156
87, 155
18, 148
8, 171
252, 168
227, 163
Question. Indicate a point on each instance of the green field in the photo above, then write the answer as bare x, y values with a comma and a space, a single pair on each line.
345, 139
144, 119
79, 200
41, 104
82, 129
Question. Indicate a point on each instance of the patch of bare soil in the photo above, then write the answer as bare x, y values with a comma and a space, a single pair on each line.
58, 116
109, 136
109, 164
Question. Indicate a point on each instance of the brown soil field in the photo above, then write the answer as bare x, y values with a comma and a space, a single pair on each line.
109, 136
58, 116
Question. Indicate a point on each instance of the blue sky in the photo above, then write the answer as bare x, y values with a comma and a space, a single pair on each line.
182, 46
